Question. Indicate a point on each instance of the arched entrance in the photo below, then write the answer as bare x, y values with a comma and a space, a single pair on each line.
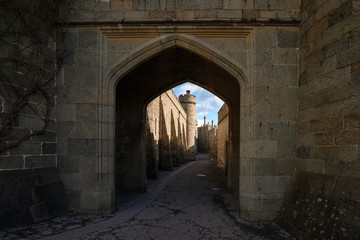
137, 88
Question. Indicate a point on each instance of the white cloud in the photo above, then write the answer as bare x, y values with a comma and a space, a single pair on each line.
206, 102
188, 86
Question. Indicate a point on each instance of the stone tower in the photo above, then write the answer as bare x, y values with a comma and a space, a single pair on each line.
188, 102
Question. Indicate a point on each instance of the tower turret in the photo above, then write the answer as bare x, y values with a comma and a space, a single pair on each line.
188, 102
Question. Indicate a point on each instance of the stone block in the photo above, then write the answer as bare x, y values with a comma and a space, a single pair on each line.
160, 14
346, 188
82, 147
121, 5
329, 124
232, 4
271, 204
232, 14
265, 38
347, 137
40, 161
202, 13
278, 4
337, 46
185, 14
264, 14
66, 42
137, 14
324, 138
46, 175
285, 56
282, 95
340, 13
35, 123
315, 165
48, 148
347, 106
266, 184
278, 75
286, 149
88, 37
262, 166
300, 164
348, 57
355, 84
352, 121
317, 29
355, 67
263, 56
26, 148
303, 152
95, 202
11, 162
339, 92
283, 166
261, 4
48, 136
68, 164
251, 14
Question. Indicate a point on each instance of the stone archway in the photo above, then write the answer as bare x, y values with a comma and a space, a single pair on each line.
112, 75
141, 85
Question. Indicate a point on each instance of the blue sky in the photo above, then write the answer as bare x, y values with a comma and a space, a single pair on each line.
207, 104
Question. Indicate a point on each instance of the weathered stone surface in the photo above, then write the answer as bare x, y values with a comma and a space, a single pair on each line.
30, 195
320, 206
287, 39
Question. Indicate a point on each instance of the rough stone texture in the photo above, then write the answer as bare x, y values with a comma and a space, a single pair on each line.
207, 138
118, 10
30, 196
223, 137
166, 130
188, 102
17, 76
318, 206
327, 134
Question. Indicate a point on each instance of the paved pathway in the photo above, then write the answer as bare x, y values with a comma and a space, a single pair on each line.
188, 204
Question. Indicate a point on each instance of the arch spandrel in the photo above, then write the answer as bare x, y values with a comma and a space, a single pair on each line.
191, 43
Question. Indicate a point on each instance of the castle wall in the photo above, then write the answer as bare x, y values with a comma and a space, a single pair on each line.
166, 113
328, 124
19, 85
252, 45
170, 103
207, 140
118, 10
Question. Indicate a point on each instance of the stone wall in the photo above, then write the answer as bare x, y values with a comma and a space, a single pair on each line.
30, 196
223, 137
119, 10
27, 63
268, 151
322, 201
329, 96
207, 139
320, 206
167, 122
246, 52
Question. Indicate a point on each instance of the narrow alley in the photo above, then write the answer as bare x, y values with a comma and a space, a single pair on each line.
190, 203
